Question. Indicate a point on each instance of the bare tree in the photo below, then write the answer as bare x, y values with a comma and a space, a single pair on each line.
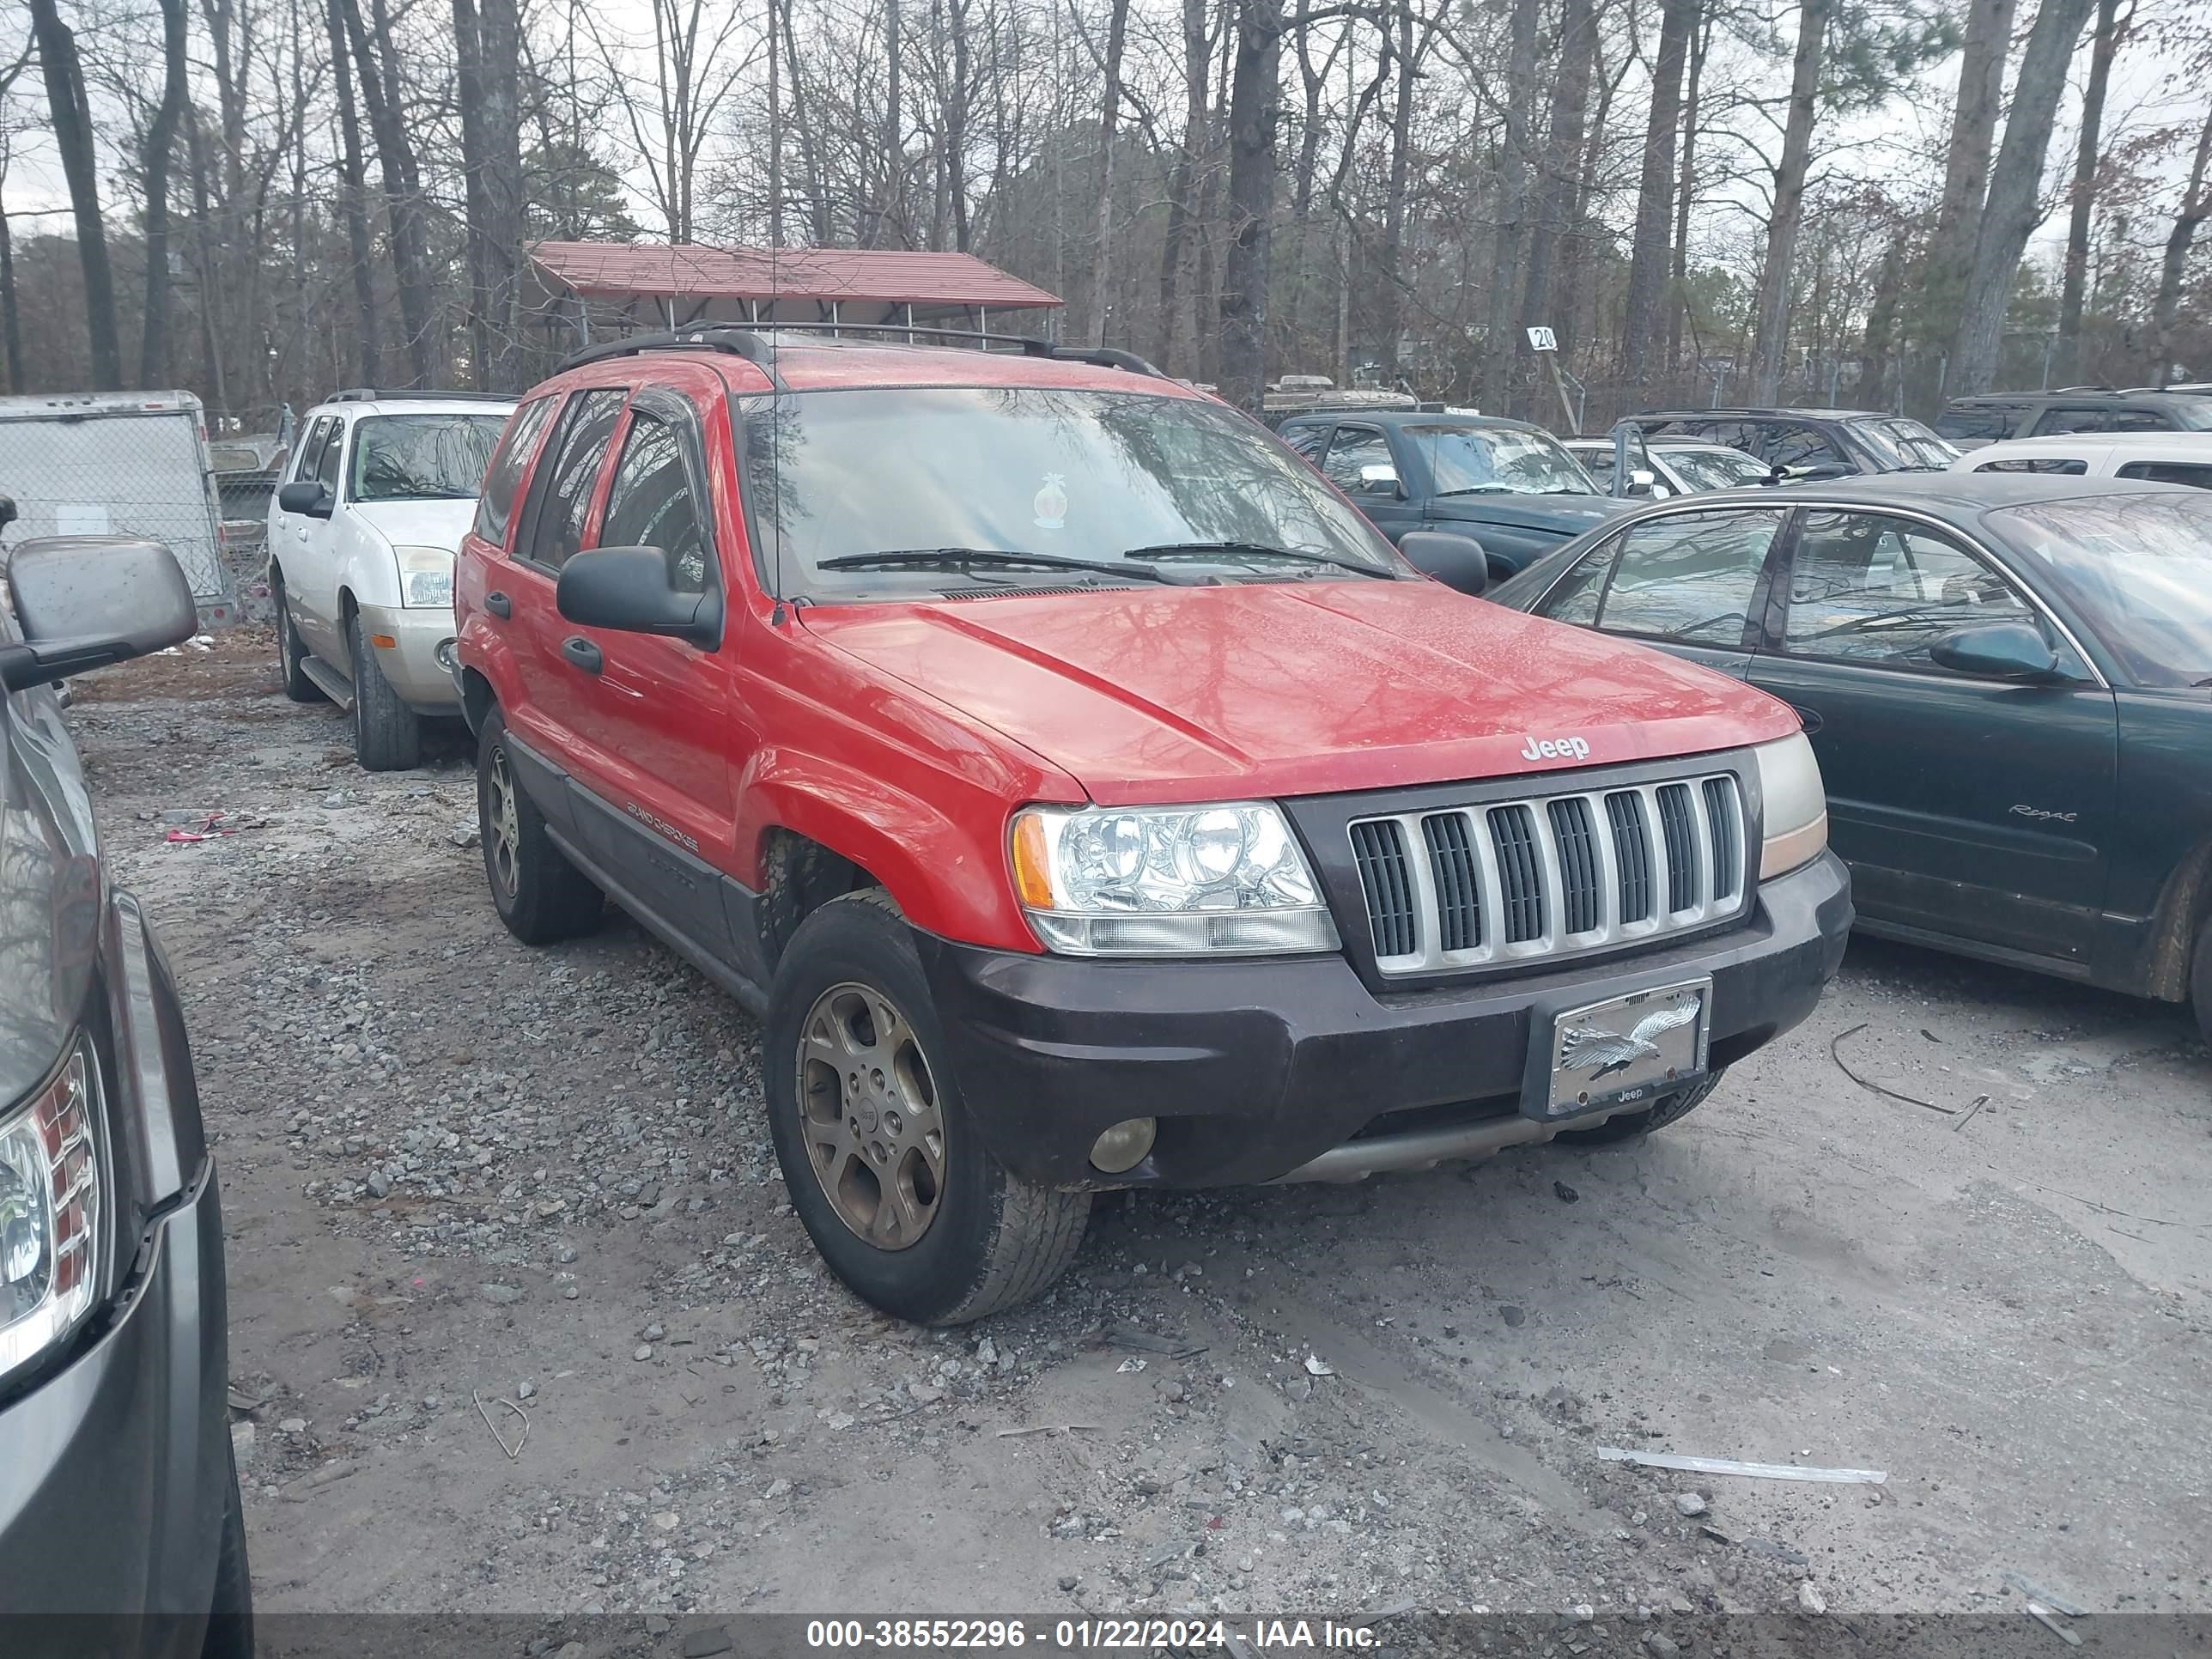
1502, 342
1771, 328
1654, 194
2195, 208
2082, 198
73, 137
2015, 204
1950, 258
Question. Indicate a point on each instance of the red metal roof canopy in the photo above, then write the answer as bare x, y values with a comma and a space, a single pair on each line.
688, 272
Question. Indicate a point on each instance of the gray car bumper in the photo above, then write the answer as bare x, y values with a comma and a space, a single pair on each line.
114, 1471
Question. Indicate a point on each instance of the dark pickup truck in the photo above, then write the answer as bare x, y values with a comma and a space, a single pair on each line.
1512, 487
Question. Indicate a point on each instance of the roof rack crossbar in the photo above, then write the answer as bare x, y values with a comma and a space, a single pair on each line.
755, 343
739, 340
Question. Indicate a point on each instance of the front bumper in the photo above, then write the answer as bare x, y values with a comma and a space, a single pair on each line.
115, 1465
116, 1468
1261, 1070
415, 662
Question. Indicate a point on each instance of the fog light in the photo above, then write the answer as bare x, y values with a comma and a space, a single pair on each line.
447, 660
1124, 1147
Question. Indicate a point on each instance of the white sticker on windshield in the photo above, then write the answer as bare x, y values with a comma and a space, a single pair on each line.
1051, 503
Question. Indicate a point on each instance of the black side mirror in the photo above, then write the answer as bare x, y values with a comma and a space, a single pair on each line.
310, 497
1457, 562
88, 601
629, 589
7, 511
1997, 651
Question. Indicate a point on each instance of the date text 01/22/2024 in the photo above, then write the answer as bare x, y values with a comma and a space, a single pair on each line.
1253, 1636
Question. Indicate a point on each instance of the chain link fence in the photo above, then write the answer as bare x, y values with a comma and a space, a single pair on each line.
119, 464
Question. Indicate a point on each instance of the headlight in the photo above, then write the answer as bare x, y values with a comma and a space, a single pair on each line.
1795, 806
1167, 881
426, 577
50, 1213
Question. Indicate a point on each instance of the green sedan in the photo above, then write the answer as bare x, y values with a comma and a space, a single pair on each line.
2004, 676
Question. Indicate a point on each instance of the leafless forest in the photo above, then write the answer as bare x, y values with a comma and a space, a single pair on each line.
1875, 202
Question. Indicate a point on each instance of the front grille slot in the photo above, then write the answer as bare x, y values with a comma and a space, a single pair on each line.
1459, 881
1681, 846
1565, 874
1631, 852
1520, 871
1728, 847
1379, 848
1581, 894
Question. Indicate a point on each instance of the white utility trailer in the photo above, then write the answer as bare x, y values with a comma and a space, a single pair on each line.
118, 464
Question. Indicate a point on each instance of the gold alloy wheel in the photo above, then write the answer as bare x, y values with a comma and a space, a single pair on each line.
506, 826
868, 1111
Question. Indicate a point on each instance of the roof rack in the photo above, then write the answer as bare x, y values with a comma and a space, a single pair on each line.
755, 343
369, 394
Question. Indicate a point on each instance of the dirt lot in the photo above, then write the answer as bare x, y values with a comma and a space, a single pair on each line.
457, 1169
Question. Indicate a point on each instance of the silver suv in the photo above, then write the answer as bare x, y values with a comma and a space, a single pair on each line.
361, 537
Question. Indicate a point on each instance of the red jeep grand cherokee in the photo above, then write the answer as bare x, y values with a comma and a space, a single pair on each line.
1083, 795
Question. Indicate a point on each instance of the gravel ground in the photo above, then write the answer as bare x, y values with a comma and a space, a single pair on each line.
456, 1170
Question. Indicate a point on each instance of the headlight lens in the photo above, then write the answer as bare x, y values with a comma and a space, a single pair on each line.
1226, 879
426, 577
1795, 806
50, 1213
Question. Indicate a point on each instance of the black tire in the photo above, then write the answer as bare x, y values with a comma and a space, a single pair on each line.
540, 896
2200, 980
993, 1240
230, 1616
388, 735
291, 650
1630, 1126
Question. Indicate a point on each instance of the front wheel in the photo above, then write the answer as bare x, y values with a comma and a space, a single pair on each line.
883, 1162
1632, 1126
388, 735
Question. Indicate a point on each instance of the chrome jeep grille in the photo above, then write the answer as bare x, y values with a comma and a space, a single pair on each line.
1556, 875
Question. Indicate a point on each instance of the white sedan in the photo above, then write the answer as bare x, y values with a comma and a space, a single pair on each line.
2175, 458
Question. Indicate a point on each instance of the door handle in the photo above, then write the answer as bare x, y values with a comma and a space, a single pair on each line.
582, 653
1811, 717
500, 605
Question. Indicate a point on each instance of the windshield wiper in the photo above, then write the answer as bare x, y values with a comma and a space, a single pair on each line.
966, 558
1480, 489
1255, 551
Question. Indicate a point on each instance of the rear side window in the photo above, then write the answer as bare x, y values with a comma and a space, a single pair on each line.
654, 502
2141, 420
1308, 440
1690, 577
1975, 424
2064, 466
495, 506
560, 494
2197, 475
2072, 420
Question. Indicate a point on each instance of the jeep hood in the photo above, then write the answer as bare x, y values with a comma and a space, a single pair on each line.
1181, 694
1560, 515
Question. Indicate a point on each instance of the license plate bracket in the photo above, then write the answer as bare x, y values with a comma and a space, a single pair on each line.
1600, 1055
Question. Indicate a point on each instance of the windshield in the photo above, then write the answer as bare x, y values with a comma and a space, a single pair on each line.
1069, 475
2140, 569
1716, 469
1498, 460
413, 458
1904, 444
